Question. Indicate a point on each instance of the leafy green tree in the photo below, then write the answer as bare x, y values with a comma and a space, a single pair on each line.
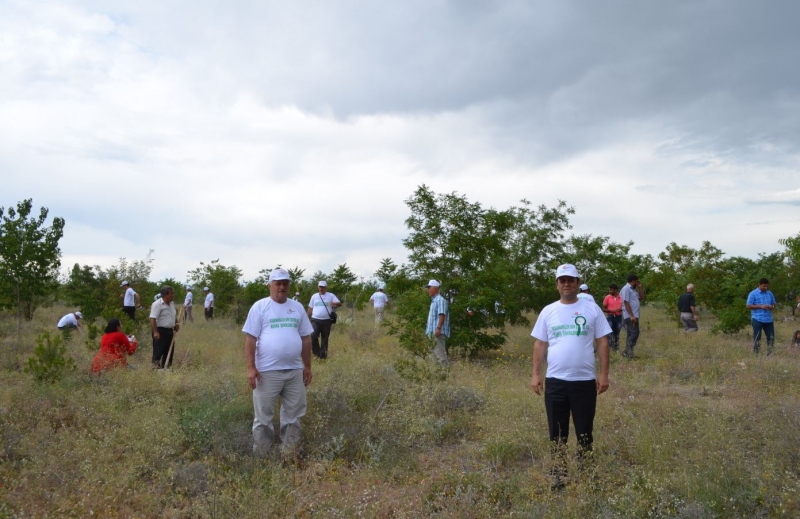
223, 282
85, 289
483, 257
29, 257
602, 262
386, 271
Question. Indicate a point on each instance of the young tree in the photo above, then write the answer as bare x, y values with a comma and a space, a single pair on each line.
85, 289
29, 256
223, 281
485, 258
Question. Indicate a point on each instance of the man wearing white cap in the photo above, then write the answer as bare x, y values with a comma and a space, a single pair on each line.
438, 327
278, 351
565, 333
320, 310
584, 293
188, 301
379, 301
70, 321
130, 300
209, 304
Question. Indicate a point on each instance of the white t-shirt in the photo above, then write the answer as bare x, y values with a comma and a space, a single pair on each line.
279, 329
587, 297
209, 303
318, 310
570, 331
379, 299
130, 298
68, 320
189, 299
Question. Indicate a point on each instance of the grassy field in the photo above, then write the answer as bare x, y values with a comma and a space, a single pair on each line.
697, 426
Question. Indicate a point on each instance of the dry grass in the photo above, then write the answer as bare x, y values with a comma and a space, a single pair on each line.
695, 427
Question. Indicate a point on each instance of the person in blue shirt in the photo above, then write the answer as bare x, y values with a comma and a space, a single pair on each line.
438, 327
761, 302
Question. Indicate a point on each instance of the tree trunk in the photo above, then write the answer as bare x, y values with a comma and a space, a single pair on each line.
19, 313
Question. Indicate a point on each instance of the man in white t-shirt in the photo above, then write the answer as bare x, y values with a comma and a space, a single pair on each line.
320, 308
209, 304
70, 321
277, 347
130, 300
565, 334
188, 303
379, 301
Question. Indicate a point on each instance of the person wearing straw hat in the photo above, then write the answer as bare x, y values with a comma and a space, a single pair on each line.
438, 327
187, 305
70, 321
320, 308
163, 324
565, 334
130, 300
278, 353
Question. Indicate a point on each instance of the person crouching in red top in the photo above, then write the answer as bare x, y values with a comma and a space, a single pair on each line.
114, 347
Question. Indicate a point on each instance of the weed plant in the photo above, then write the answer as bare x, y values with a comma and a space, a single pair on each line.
696, 426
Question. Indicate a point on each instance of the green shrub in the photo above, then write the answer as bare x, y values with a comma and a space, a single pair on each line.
732, 320
49, 362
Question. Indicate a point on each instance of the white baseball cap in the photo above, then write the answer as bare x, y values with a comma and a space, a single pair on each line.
79, 315
382, 286
279, 275
432, 283
322, 284
124, 284
205, 288
188, 287
584, 287
567, 270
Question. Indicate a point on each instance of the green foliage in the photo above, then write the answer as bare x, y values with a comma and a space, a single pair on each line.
386, 271
602, 262
29, 258
732, 319
223, 282
49, 362
483, 257
85, 289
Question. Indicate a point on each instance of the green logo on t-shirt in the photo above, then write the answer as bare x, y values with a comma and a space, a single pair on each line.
579, 322
284, 322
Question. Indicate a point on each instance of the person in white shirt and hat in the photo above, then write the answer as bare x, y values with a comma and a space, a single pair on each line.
187, 305
320, 310
70, 321
209, 304
379, 301
130, 300
278, 355
565, 334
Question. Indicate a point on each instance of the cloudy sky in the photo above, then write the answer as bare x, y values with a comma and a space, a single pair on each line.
269, 132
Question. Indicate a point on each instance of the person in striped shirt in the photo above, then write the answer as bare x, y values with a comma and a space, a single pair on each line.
438, 328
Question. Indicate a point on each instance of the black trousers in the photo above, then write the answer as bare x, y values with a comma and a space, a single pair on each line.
161, 348
321, 327
564, 397
130, 311
209, 313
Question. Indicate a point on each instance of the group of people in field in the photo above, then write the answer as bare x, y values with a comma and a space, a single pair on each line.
281, 336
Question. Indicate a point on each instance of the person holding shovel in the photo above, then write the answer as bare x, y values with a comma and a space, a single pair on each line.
163, 324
